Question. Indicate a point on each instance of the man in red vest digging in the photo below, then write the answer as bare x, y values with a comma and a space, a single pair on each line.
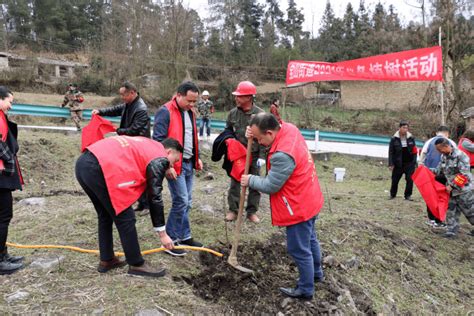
177, 119
295, 196
114, 173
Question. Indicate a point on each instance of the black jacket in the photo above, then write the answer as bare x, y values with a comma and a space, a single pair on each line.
219, 149
395, 151
11, 177
135, 120
155, 174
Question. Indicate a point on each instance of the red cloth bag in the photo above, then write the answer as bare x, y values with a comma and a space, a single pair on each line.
236, 153
96, 130
433, 192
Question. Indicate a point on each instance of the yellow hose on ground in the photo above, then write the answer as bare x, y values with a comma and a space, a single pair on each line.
119, 254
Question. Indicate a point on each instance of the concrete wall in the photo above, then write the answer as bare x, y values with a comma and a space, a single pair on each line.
382, 94
300, 94
3, 63
470, 123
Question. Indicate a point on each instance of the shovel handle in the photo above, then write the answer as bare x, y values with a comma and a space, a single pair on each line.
243, 190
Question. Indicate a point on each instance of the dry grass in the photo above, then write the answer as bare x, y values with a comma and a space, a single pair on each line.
404, 267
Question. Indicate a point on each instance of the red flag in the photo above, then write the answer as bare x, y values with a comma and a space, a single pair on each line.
236, 153
433, 192
96, 130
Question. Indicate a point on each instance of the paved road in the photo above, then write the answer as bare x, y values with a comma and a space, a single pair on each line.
367, 150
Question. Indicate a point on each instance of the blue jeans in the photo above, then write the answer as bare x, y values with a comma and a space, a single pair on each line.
177, 226
205, 122
303, 246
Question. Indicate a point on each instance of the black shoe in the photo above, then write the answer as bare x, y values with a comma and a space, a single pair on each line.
318, 280
391, 197
408, 198
146, 270
7, 267
106, 266
190, 242
176, 252
295, 293
13, 259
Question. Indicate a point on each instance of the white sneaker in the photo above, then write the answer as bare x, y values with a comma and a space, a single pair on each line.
430, 222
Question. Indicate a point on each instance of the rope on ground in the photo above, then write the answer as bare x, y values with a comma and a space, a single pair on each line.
119, 254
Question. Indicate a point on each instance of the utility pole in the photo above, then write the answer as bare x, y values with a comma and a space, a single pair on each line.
441, 90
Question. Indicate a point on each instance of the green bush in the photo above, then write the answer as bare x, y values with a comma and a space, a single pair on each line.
92, 83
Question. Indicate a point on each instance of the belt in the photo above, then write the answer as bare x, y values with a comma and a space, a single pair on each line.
188, 160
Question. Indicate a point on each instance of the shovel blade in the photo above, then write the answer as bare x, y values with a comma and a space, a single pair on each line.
234, 263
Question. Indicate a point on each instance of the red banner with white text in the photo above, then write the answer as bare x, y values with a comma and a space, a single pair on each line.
424, 64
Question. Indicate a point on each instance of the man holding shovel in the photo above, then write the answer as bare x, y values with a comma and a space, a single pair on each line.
295, 196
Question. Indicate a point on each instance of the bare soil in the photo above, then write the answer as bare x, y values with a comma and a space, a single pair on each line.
258, 292
379, 256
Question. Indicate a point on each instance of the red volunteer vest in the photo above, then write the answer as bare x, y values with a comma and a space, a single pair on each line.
468, 153
300, 198
123, 160
176, 131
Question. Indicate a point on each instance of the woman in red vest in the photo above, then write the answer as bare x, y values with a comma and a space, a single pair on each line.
114, 173
10, 180
295, 196
466, 144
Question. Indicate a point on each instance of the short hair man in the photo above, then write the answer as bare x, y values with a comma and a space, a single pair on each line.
454, 165
133, 111
430, 157
134, 120
295, 196
114, 172
402, 154
176, 119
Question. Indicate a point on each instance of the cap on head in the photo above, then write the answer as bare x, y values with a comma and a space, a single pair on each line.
245, 88
205, 92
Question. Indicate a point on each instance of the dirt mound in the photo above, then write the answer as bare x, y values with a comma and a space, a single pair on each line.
258, 293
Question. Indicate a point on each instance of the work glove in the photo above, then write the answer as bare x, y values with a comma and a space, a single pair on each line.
260, 162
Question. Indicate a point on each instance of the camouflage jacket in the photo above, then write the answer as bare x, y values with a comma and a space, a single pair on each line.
237, 122
454, 165
205, 108
71, 99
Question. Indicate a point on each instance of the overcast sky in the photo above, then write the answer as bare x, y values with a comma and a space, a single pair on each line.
314, 9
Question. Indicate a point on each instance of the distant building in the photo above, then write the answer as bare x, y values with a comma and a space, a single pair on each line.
468, 115
46, 68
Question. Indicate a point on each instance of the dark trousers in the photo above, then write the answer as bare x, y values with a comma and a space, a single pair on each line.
431, 217
397, 174
90, 177
253, 198
6, 214
441, 179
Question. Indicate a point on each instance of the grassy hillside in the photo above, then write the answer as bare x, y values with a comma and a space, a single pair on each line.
379, 255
